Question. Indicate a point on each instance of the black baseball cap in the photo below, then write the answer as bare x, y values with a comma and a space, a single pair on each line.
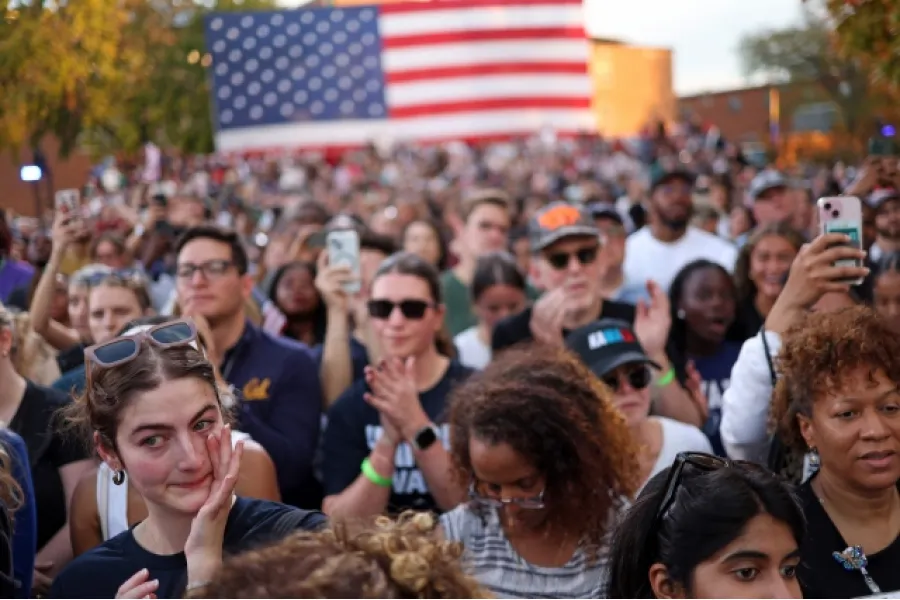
559, 220
607, 344
660, 174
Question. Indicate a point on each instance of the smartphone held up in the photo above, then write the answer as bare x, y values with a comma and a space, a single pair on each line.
843, 214
343, 249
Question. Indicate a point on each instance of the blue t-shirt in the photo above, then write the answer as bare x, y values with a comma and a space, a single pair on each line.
99, 572
715, 371
24, 534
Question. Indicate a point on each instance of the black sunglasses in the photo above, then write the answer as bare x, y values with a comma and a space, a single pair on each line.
411, 309
638, 377
560, 260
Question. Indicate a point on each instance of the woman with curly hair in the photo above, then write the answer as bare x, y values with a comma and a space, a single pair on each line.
548, 462
388, 559
838, 398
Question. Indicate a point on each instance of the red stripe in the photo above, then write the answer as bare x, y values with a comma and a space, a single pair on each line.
538, 34
407, 7
525, 68
443, 108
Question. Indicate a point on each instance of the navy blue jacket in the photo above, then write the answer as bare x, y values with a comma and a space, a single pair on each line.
280, 399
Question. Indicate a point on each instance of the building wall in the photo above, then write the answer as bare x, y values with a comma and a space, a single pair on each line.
742, 115
65, 173
632, 85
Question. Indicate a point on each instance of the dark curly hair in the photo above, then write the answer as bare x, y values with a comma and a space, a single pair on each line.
553, 412
819, 351
387, 559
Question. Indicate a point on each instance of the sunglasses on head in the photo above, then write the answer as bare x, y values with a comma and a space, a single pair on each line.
561, 260
127, 275
411, 309
638, 377
126, 348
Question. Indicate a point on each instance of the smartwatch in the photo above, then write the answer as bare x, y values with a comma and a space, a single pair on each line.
425, 437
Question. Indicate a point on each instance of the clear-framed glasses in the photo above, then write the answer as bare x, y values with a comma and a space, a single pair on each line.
528, 503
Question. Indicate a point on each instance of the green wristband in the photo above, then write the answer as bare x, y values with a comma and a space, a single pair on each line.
372, 475
666, 378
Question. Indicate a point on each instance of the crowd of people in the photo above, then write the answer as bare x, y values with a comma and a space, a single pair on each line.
564, 368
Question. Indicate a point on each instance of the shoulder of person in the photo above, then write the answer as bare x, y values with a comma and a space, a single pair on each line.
51, 397
457, 371
686, 437
253, 520
512, 329
79, 578
350, 399
711, 239
461, 523
639, 236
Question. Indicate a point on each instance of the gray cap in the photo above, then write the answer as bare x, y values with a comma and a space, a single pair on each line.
559, 220
764, 181
879, 197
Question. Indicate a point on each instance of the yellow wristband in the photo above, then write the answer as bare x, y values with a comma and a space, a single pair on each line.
372, 475
667, 378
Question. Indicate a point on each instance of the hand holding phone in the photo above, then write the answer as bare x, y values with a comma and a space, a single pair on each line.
343, 249
843, 214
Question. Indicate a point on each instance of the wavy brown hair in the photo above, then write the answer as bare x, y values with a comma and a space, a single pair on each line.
384, 559
553, 412
818, 352
11, 494
746, 289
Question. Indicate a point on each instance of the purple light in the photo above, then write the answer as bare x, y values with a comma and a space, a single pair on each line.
888, 130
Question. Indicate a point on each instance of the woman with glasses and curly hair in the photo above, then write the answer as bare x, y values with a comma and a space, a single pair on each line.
709, 528
548, 462
838, 398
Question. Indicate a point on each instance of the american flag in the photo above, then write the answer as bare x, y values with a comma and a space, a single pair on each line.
427, 71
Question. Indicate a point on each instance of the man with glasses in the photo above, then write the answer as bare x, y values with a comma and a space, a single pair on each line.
566, 265
275, 379
668, 242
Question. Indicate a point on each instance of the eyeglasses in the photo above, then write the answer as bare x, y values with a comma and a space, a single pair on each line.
585, 256
637, 376
531, 503
411, 309
126, 348
210, 269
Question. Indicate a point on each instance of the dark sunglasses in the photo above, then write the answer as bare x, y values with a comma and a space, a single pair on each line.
638, 377
585, 256
411, 309
126, 348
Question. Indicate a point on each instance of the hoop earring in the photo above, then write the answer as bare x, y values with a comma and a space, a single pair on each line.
118, 477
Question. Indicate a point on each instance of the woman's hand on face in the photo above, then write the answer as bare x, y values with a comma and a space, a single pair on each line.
139, 586
395, 396
203, 548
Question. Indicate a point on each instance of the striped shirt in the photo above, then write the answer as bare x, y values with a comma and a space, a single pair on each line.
492, 561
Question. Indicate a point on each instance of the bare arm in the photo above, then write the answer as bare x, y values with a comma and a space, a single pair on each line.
436, 468
673, 401
58, 550
84, 529
362, 497
57, 335
336, 370
257, 478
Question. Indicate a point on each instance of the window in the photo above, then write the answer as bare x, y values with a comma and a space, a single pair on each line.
817, 116
735, 104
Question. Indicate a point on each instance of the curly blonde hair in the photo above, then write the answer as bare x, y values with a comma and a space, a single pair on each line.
546, 405
818, 352
405, 558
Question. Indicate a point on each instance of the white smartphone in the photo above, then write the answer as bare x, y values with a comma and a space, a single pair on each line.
842, 214
68, 201
343, 249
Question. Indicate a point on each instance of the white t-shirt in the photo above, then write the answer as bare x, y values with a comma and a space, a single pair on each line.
648, 258
676, 437
473, 353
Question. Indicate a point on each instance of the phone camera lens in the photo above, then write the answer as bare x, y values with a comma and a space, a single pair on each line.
835, 213
828, 206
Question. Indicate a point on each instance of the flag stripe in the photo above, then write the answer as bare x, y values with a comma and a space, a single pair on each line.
481, 19
485, 124
481, 53
508, 87
455, 37
439, 108
422, 7
503, 68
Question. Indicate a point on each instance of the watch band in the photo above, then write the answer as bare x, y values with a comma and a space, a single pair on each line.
426, 437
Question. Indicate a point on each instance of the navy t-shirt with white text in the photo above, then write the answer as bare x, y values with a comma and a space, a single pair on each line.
715, 371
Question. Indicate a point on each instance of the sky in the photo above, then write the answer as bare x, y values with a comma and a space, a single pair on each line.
703, 34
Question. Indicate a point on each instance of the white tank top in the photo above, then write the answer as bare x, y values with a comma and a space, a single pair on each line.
112, 499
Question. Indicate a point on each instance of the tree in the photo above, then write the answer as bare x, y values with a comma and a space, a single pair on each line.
108, 74
805, 54
869, 30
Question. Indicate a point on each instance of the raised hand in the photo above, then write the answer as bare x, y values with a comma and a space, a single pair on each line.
330, 281
395, 396
547, 318
203, 548
139, 585
652, 322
